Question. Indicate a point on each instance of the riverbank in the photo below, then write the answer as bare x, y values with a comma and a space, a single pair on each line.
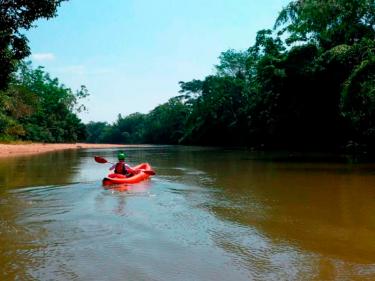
7, 150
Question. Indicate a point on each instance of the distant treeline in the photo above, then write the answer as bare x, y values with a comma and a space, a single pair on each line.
307, 84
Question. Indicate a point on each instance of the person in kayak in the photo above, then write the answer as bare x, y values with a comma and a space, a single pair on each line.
121, 167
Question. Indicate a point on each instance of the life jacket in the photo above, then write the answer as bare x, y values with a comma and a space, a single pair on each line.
120, 168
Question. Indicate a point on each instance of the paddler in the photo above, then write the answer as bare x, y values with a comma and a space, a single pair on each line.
121, 167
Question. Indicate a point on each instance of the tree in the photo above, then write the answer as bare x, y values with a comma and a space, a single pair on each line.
96, 131
165, 124
232, 63
358, 95
328, 22
216, 114
37, 107
128, 129
17, 16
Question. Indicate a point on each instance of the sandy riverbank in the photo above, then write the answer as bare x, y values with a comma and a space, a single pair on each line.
35, 148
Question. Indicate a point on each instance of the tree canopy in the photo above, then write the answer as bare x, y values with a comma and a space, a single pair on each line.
37, 107
17, 16
328, 22
306, 84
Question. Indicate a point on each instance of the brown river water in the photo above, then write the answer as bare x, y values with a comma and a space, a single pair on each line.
208, 214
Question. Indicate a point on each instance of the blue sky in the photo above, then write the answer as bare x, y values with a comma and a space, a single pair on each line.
131, 54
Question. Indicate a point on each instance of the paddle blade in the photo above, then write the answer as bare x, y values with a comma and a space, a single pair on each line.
100, 159
149, 172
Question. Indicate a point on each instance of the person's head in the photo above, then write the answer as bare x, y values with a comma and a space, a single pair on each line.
121, 156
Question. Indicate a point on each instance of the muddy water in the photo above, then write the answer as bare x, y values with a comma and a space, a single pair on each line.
209, 214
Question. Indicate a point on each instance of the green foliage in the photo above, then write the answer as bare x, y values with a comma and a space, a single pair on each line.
166, 123
126, 130
17, 16
232, 63
96, 131
358, 99
328, 22
216, 115
11, 128
163, 125
37, 107
315, 91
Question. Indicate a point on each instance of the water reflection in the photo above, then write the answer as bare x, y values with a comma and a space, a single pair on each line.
322, 212
209, 214
35, 170
325, 209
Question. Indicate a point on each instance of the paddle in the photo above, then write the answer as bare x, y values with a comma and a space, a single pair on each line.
102, 160
150, 172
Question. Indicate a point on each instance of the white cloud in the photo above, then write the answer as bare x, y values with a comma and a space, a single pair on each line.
43, 56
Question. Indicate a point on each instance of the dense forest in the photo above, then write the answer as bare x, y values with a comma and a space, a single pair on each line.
307, 83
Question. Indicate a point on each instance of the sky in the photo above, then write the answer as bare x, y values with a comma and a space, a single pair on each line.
131, 54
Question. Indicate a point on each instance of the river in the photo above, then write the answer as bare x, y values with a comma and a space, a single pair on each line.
208, 214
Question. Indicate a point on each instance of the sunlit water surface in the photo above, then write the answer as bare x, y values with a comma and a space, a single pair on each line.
209, 214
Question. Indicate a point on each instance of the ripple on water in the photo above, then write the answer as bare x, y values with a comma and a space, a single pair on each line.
187, 223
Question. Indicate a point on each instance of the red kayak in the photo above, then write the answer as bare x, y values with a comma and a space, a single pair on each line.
144, 171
